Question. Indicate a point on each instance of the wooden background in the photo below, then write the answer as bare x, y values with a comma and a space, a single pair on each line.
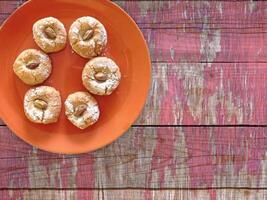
203, 131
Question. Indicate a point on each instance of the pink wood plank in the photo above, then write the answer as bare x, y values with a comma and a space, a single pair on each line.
211, 94
199, 41
230, 14
191, 45
223, 194
219, 93
7, 7
233, 13
166, 157
193, 32
168, 13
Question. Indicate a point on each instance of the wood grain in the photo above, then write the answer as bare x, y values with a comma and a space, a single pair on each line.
210, 94
199, 40
102, 194
166, 157
157, 13
230, 14
209, 68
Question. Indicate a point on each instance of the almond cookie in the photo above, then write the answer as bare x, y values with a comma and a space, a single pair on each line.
101, 76
49, 34
88, 37
42, 105
81, 109
32, 66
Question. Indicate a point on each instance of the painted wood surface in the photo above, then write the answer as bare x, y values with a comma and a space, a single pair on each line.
102, 194
196, 93
199, 31
210, 94
209, 68
151, 157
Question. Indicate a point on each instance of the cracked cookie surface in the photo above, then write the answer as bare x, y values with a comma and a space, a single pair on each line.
42, 105
32, 66
82, 109
88, 37
49, 34
101, 76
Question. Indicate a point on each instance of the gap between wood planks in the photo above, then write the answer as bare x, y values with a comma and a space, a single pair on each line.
22, 1
102, 194
172, 0
207, 62
201, 125
135, 188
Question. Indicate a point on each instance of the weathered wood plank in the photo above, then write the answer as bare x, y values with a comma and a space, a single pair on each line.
228, 14
166, 157
211, 94
192, 45
173, 45
184, 92
198, 42
130, 194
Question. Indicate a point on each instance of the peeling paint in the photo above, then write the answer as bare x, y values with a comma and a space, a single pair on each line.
172, 53
41, 176
54, 175
74, 170
252, 6
49, 194
37, 171
263, 180
233, 110
219, 7
185, 14
181, 155
11, 192
212, 104
144, 6
120, 3
210, 44
193, 80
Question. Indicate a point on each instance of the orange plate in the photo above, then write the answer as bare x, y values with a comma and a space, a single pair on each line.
126, 46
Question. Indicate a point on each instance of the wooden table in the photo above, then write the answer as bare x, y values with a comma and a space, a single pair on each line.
203, 131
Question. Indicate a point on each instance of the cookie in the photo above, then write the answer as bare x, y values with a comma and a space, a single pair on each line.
81, 109
42, 105
88, 37
32, 66
101, 76
49, 34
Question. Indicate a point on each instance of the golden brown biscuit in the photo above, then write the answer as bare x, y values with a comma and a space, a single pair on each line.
88, 37
49, 34
32, 66
81, 109
101, 76
42, 105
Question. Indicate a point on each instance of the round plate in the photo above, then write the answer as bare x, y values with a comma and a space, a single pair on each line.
126, 46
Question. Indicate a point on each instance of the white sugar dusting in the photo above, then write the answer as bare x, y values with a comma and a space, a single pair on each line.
89, 117
47, 94
41, 39
93, 46
106, 66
